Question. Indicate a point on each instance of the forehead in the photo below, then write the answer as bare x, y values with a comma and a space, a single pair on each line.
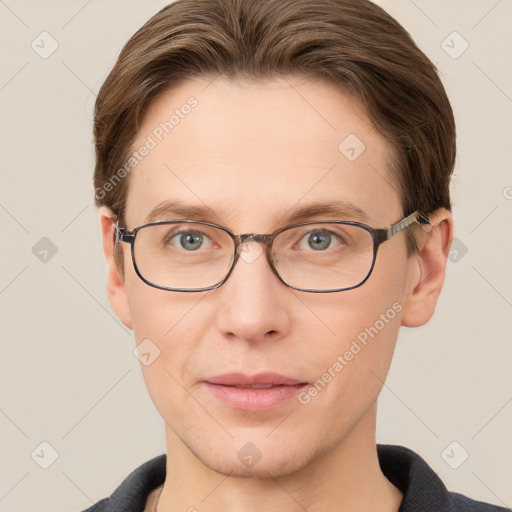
252, 152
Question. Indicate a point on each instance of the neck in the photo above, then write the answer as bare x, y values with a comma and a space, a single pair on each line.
348, 477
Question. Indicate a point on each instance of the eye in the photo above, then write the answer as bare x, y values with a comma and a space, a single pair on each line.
321, 239
188, 240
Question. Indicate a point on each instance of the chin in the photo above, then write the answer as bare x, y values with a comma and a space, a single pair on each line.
258, 459
275, 467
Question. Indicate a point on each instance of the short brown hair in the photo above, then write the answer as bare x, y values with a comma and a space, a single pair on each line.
353, 44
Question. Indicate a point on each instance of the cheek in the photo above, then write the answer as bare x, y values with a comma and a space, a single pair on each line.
174, 325
363, 335
168, 328
352, 359
157, 313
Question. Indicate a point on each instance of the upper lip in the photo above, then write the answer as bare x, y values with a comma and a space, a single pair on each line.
267, 379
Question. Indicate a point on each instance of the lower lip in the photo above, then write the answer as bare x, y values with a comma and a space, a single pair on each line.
253, 399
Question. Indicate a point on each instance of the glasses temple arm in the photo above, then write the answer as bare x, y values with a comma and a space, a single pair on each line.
416, 216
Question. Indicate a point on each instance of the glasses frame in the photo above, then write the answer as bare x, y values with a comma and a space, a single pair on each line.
379, 236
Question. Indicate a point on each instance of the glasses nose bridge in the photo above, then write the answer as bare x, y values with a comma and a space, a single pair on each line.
264, 239
253, 237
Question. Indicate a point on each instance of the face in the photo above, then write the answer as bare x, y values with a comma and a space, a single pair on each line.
253, 154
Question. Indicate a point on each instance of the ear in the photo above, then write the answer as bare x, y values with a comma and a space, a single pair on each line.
429, 270
115, 282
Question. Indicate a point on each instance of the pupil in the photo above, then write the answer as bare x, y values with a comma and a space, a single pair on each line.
320, 241
190, 239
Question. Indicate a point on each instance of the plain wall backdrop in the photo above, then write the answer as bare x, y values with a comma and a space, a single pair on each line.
68, 375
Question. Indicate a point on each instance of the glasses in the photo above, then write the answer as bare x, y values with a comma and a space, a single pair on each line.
319, 257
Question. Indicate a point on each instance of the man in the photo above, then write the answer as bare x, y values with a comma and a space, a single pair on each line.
273, 183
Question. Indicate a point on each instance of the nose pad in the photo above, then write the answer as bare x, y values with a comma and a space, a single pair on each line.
250, 252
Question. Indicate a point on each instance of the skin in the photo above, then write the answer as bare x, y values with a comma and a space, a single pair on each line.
251, 153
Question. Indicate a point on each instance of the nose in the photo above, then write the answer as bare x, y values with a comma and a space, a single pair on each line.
253, 302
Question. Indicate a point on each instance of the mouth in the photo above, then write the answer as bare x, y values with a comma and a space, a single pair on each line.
261, 380
260, 392
258, 386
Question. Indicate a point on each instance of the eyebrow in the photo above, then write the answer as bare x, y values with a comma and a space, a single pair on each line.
341, 210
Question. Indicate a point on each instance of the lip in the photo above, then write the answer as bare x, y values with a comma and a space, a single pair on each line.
260, 392
260, 379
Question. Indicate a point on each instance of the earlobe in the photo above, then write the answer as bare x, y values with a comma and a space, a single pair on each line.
115, 283
428, 276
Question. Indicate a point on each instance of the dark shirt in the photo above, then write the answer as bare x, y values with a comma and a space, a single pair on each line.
422, 489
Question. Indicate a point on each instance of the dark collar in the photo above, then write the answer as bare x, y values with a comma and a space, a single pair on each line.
422, 489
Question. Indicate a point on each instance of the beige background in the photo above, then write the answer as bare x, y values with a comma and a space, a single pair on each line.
68, 376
